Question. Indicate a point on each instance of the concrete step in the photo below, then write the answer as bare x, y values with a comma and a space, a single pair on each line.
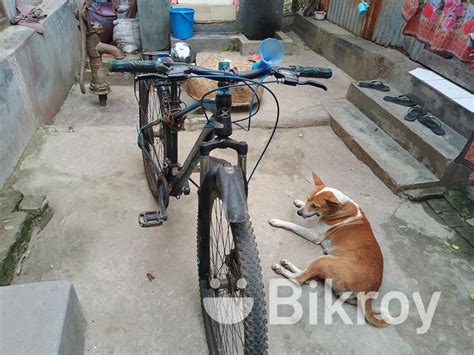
365, 60
435, 152
451, 103
205, 41
397, 168
213, 41
15, 234
41, 318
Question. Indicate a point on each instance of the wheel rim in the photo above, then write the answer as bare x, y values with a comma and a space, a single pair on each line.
154, 137
225, 269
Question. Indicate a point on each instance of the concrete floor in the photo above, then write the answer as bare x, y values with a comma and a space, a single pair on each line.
94, 180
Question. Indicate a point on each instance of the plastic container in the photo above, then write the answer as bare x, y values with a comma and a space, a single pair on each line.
182, 19
271, 51
363, 8
319, 15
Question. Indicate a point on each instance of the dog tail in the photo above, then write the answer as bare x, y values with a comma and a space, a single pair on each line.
370, 315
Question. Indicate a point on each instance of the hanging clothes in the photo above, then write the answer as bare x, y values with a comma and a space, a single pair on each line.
446, 25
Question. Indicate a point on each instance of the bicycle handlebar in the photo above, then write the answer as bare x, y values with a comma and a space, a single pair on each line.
150, 66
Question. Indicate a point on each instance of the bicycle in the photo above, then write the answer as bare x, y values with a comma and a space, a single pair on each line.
228, 261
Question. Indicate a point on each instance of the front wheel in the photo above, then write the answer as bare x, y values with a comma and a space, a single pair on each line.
230, 279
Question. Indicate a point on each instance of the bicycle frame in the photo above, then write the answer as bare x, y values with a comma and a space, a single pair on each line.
214, 135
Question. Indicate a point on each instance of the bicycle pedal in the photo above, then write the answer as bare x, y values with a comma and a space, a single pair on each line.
150, 219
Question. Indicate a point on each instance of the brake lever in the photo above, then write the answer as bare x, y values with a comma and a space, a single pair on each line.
287, 76
314, 83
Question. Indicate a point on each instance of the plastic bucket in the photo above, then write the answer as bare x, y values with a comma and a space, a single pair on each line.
363, 8
182, 19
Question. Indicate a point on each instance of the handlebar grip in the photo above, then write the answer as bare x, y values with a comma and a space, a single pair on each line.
313, 72
136, 66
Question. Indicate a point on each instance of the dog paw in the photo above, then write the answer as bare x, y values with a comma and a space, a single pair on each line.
275, 222
298, 203
284, 262
277, 268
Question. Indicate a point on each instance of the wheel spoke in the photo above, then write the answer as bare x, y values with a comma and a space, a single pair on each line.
224, 266
154, 137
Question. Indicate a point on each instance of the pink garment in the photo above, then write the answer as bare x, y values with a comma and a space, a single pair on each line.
236, 3
29, 16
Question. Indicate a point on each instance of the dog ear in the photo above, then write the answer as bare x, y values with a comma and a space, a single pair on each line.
332, 200
317, 179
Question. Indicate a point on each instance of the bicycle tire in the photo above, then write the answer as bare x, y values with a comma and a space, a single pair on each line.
154, 138
242, 251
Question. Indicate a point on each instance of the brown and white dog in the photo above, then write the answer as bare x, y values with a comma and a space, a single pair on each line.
353, 259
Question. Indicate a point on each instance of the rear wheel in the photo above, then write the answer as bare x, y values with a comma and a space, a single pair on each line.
155, 136
230, 279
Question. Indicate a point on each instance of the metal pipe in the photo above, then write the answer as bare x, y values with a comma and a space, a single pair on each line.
98, 85
91, 45
104, 48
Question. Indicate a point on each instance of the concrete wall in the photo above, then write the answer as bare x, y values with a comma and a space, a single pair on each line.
36, 73
260, 19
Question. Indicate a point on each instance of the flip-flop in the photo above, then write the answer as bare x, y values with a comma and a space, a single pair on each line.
414, 112
376, 85
432, 123
403, 100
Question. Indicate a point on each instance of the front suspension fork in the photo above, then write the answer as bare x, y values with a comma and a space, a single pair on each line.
241, 148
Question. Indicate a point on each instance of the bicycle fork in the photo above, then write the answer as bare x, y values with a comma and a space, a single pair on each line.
241, 148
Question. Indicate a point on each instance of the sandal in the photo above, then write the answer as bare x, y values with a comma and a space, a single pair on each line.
400, 100
376, 85
432, 123
414, 113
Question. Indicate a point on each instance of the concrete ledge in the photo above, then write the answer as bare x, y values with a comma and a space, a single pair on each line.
201, 42
389, 161
435, 152
361, 59
20, 216
449, 111
41, 318
36, 73
364, 60
248, 46
15, 235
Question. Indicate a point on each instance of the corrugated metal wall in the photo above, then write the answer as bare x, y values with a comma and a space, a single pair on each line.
344, 13
388, 29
